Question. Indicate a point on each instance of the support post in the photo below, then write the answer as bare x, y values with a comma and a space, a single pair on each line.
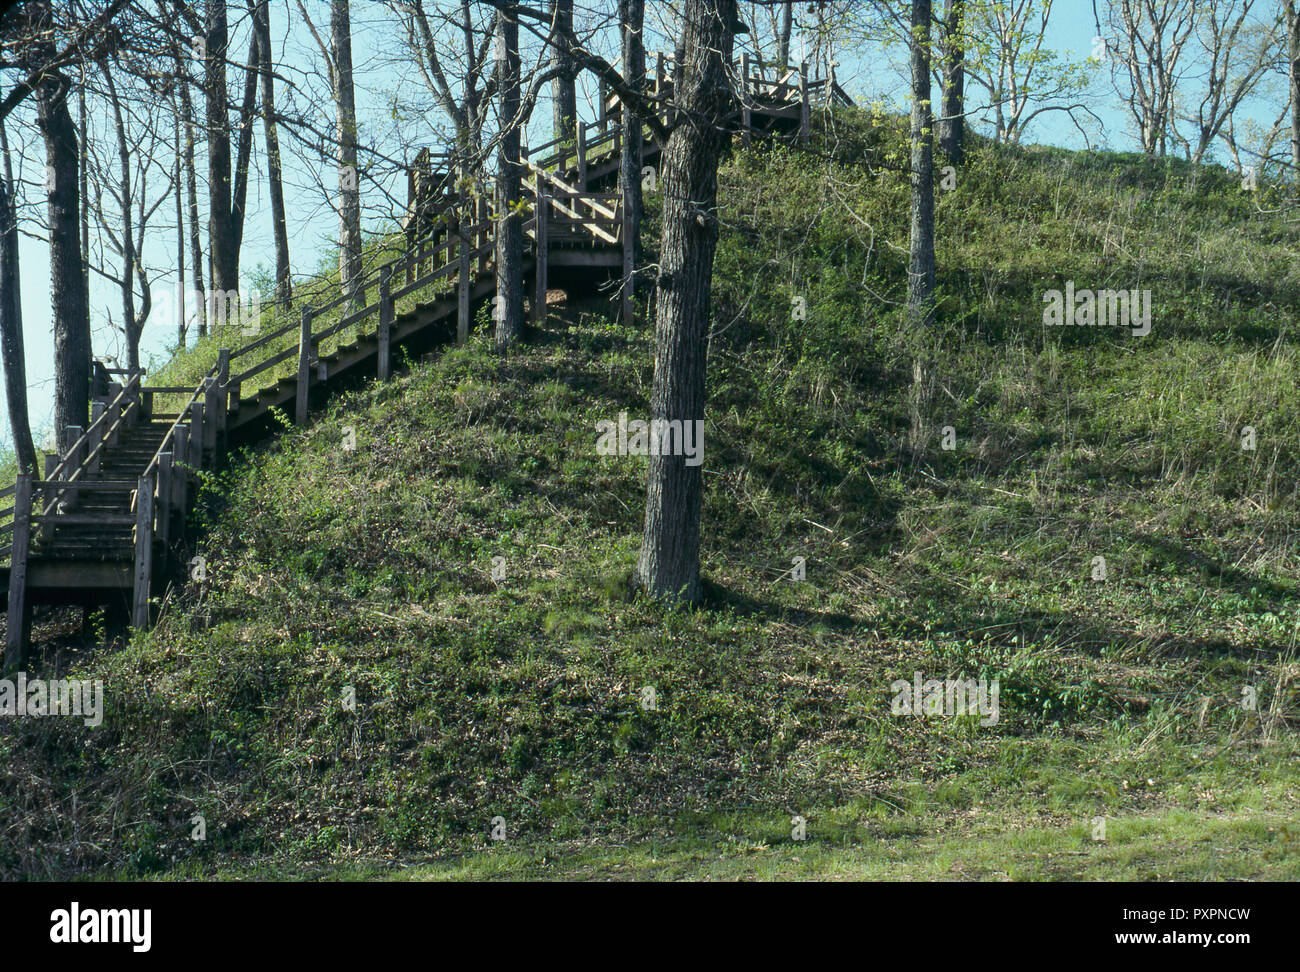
485, 261
77, 454
164, 517
196, 437
20, 617
143, 552
180, 478
304, 366
462, 275
582, 156
96, 410
385, 364
543, 210
211, 417
805, 114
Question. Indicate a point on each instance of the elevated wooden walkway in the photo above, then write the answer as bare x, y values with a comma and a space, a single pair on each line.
107, 522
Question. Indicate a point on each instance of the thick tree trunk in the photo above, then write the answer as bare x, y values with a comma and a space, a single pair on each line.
244, 149
221, 235
631, 19
564, 87
953, 123
509, 304
920, 270
1293, 56
12, 352
283, 284
669, 564
71, 306
346, 124
783, 37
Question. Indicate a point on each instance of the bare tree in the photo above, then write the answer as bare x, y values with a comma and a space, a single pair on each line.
262, 27
451, 51
1152, 36
338, 66
222, 248
563, 88
1007, 56
1236, 54
68, 290
12, 352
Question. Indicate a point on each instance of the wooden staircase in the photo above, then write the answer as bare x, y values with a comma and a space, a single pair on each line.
107, 522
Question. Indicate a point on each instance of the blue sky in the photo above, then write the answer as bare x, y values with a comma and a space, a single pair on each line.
381, 72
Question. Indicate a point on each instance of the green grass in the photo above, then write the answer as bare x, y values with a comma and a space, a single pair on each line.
368, 571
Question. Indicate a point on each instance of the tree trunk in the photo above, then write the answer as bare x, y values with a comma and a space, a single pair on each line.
346, 125
283, 284
631, 19
564, 87
783, 38
1293, 56
244, 150
953, 123
130, 327
920, 270
669, 563
178, 180
221, 234
509, 309
12, 352
71, 306
192, 196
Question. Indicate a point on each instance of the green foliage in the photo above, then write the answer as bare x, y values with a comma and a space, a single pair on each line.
370, 570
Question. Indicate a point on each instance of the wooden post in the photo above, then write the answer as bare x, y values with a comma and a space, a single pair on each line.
96, 410
805, 115
143, 552
211, 418
19, 610
582, 155
746, 119
165, 492
75, 455
180, 478
485, 261
543, 209
602, 113
463, 275
384, 354
196, 436
304, 366
223, 396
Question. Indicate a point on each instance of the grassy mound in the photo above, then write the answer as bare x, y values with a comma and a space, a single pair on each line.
359, 682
